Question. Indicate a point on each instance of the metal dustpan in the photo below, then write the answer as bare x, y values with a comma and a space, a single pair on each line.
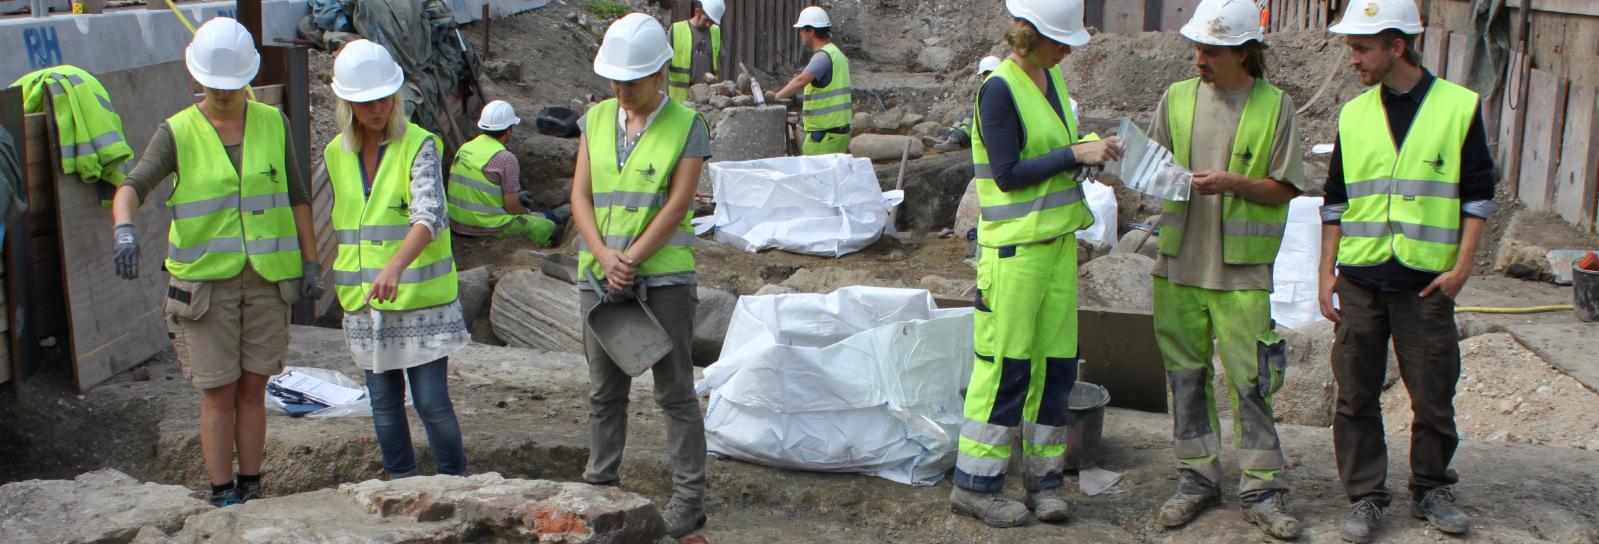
557, 265
626, 329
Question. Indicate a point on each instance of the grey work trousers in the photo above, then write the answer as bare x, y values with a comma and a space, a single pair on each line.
674, 393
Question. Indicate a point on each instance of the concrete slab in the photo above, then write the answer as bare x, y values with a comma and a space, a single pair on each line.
1570, 345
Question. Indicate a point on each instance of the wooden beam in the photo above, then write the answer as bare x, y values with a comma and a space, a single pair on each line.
1459, 57
1546, 107
1435, 50
1577, 178
1512, 121
1569, 7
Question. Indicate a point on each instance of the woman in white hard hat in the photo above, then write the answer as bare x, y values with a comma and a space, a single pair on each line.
638, 163
1025, 150
240, 250
395, 274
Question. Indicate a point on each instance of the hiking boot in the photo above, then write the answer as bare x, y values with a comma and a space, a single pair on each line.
1363, 520
993, 509
1191, 499
1048, 506
248, 491
1272, 517
682, 519
226, 497
1437, 507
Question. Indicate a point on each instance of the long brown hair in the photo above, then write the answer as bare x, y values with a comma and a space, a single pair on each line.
1254, 58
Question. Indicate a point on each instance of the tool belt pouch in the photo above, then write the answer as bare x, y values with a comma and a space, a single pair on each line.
187, 299
290, 290
1271, 354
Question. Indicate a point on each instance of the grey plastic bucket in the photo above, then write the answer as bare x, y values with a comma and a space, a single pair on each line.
1086, 426
1585, 294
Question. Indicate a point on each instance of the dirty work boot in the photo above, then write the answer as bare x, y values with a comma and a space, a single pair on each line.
1192, 497
682, 519
1272, 517
1048, 506
993, 509
1437, 507
1363, 520
249, 487
224, 496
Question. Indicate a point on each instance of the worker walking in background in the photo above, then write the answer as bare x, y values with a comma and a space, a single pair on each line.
1213, 276
1409, 188
240, 250
486, 183
395, 273
1024, 151
638, 163
826, 104
696, 48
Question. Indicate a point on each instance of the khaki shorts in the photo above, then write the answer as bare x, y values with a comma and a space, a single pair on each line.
221, 328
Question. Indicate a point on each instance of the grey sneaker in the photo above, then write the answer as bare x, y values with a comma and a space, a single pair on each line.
1363, 520
1272, 517
1191, 498
1048, 506
1437, 507
993, 509
249, 491
682, 518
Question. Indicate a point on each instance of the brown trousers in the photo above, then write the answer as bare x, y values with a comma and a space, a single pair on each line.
1425, 339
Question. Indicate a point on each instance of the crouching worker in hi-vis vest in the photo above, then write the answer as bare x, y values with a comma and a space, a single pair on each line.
395, 274
633, 185
1409, 188
1213, 276
240, 249
1025, 149
486, 184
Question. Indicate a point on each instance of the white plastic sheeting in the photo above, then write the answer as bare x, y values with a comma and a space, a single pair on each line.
1102, 203
824, 205
1294, 289
864, 379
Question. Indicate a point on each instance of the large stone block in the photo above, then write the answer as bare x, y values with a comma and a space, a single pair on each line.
100, 506
885, 147
532, 310
750, 133
711, 318
1119, 281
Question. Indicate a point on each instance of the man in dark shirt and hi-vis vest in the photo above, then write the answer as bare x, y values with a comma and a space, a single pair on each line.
1213, 277
696, 48
1409, 188
827, 107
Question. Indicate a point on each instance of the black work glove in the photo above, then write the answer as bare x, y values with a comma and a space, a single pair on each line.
310, 281
127, 251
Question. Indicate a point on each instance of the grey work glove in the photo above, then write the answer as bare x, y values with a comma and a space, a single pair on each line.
127, 251
310, 281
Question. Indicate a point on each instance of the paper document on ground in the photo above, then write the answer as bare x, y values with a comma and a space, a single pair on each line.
1148, 168
825, 205
316, 389
864, 379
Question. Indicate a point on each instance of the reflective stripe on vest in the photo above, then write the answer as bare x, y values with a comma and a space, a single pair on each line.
1042, 211
475, 201
371, 228
1251, 231
1404, 200
678, 77
627, 200
829, 108
221, 219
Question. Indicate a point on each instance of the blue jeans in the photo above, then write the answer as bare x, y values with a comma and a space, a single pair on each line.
430, 394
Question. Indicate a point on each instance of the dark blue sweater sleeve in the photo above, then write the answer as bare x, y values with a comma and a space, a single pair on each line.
1003, 137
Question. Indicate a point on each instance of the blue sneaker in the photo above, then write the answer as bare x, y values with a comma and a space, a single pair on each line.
227, 497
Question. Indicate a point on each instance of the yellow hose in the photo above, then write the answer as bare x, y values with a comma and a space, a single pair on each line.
186, 24
1527, 310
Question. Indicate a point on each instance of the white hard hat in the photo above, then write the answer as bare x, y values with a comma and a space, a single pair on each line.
1059, 20
1224, 22
714, 9
988, 64
222, 55
498, 115
635, 47
1367, 17
814, 17
364, 71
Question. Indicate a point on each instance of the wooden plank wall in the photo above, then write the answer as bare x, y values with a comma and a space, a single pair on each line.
1295, 15
1124, 16
1547, 130
1175, 13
